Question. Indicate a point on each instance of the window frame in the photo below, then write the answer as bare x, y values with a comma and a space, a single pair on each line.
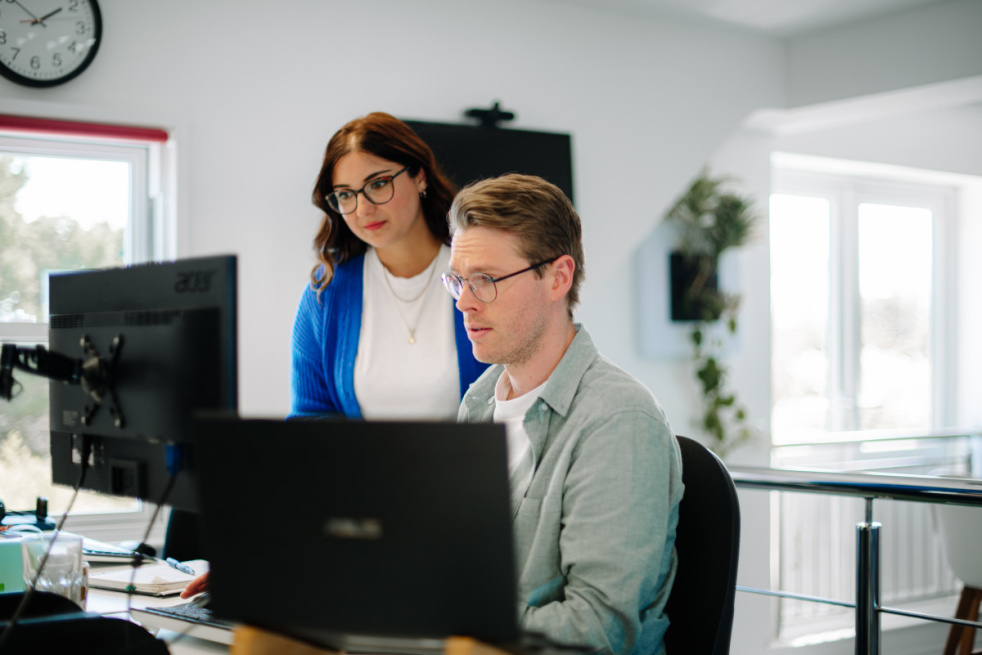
149, 236
845, 191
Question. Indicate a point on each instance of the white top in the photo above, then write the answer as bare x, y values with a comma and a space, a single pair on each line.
396, 379
512, 414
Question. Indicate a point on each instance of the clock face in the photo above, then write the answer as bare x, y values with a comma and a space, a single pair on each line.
47, 42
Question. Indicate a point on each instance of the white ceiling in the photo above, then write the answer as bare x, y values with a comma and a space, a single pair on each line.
778, 18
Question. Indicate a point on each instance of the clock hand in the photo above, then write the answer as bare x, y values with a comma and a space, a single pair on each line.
37, 21
28, 11
48, 15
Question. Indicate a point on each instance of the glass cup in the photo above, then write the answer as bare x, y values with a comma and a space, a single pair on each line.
63, 572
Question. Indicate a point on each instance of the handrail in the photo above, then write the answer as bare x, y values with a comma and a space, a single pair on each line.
917, 488
852, 437
870, 486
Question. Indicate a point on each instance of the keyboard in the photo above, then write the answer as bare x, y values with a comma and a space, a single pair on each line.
195, 619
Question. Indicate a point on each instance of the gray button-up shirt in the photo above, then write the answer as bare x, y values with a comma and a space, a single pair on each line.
595, 504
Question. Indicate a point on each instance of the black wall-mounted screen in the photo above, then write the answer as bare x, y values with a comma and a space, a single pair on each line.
468, 152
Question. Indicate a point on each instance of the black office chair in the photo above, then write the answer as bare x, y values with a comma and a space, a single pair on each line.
700, 606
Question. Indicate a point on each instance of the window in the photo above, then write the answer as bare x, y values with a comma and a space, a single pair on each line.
861, 298
86, 199
859, 302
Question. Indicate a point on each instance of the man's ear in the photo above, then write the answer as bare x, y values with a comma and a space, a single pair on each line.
562, 276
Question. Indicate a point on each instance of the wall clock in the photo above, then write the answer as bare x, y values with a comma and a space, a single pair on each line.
48, 42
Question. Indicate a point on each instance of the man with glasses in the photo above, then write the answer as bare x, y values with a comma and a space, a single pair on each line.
594, 466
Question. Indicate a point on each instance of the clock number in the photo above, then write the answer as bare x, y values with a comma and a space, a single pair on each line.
56, 60
73, 47
80, 28
73, 5
35, 62
16, 52
3, 38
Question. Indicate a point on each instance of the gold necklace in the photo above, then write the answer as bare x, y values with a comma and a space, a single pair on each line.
422, 294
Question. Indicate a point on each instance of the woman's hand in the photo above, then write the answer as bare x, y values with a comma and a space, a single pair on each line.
196, 586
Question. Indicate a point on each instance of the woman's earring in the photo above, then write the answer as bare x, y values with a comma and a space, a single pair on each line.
422, 194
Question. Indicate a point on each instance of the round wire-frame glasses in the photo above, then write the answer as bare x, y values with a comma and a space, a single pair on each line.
483, 285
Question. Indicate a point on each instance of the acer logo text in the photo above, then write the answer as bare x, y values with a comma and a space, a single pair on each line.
194, 281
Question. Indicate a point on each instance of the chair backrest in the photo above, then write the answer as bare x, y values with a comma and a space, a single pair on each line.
700, 606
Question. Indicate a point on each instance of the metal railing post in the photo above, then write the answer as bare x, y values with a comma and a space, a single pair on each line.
868, 584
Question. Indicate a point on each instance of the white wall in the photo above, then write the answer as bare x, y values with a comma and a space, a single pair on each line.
256, 91
923, 45
253, 91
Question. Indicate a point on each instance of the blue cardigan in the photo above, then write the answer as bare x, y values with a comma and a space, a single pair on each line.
325, 343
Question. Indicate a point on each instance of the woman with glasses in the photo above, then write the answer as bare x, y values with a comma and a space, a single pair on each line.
375, 336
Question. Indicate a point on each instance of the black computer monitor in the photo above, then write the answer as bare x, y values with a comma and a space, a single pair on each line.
467, 153
165, 336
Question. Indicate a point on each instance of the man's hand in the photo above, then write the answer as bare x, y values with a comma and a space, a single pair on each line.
196, 586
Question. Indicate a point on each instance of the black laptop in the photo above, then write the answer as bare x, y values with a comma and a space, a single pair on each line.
359, 536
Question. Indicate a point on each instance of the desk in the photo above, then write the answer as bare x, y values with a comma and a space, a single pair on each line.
113, 604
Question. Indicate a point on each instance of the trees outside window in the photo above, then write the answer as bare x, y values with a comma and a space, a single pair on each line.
65, 204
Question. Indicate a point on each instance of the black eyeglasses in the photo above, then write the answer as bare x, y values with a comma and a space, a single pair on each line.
482, 284
378, 191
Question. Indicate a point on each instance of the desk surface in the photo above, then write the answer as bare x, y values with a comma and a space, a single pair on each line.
113, 604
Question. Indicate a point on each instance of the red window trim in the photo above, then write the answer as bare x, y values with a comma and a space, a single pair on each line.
80, 128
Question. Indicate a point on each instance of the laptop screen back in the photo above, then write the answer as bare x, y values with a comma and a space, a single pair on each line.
332, 528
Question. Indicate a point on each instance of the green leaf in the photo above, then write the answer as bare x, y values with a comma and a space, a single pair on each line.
710, 374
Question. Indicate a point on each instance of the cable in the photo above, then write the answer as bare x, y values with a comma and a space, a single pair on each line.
86, 451
174, 468
175, 461
131, 587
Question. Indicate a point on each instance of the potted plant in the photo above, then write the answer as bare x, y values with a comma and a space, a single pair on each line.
710, 220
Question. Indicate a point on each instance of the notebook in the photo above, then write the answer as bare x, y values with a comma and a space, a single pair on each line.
155, 578
359, 536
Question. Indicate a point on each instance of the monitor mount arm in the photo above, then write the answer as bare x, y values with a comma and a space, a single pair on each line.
93, 372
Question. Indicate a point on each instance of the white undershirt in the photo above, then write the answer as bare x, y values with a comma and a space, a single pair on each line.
512, 414
395, 379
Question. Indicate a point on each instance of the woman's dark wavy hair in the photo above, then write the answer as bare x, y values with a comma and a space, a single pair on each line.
384, 136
